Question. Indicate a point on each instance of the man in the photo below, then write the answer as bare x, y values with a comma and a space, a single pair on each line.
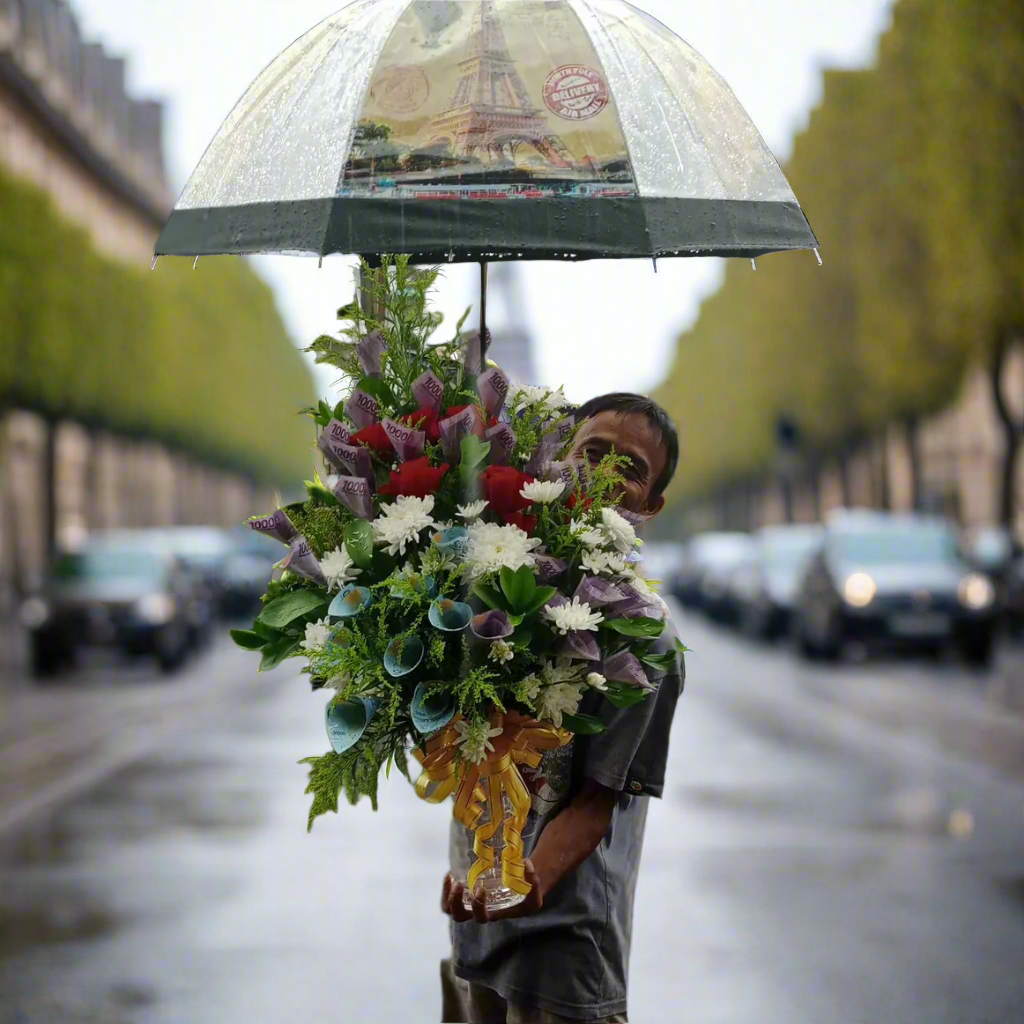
563, 954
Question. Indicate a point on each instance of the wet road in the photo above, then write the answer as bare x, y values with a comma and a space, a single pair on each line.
824, 852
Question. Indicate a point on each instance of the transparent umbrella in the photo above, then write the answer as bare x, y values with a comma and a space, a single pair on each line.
476, 130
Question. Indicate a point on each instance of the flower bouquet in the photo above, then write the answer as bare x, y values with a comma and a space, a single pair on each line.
455, 579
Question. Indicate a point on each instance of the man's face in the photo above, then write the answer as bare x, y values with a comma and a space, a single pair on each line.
630, 434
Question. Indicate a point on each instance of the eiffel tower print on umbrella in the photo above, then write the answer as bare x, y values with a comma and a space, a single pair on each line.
477, 130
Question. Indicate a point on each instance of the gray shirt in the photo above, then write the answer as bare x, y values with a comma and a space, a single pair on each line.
572, 957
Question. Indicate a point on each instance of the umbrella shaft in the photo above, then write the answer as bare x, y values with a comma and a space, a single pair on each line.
483, 316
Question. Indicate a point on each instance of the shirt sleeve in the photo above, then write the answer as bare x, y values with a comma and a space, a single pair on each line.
631, 754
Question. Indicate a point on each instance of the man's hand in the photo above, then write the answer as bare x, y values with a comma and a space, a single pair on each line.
452, 901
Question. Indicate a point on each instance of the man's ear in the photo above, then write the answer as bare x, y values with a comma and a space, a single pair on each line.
655, 506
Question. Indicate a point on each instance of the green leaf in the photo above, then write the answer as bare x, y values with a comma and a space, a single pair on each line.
289, 607
265, 631
276, 652
491, 597
665, 662
519, 587
471, 464
522, 637
339, 411
359, 542
681, 647
582, 725
623, 696
540, 598
639, 626
248, 639
378, 388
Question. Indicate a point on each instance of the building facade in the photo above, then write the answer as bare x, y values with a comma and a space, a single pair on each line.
68, 125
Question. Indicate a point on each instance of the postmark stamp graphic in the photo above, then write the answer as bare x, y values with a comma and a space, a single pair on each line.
575, 92
400, 89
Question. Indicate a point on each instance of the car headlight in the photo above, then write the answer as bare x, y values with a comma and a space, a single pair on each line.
156, 609
859, 590
976, 591
34, 612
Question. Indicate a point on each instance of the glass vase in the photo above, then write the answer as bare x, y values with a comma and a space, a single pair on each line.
497, 895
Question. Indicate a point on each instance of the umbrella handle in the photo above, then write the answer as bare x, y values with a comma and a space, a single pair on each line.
484, 340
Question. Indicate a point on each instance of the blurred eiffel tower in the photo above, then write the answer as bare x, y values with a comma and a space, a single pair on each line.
512, 343
490, 114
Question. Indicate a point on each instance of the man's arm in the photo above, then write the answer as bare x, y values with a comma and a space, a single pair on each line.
566, 842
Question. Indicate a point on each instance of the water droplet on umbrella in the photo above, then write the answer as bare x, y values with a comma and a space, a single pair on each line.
817, 256
196, 263
152, 265
753, 264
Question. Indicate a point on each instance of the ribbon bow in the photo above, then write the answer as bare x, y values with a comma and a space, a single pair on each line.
522, 741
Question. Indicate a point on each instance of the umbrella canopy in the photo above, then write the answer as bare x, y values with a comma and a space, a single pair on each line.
461, 130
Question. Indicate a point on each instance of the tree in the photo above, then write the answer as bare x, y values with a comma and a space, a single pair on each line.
975, 167
915, 369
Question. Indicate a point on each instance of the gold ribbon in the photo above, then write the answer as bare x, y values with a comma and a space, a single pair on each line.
522, 741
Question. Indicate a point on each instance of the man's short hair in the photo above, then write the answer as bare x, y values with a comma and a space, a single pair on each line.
625, 404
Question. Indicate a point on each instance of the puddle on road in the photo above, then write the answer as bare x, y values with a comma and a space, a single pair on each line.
68, 917
921, 811
139, 801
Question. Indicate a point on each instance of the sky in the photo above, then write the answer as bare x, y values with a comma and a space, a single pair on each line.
599, 326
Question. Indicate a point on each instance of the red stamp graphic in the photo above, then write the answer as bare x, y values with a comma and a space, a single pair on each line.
400, 89
575, 92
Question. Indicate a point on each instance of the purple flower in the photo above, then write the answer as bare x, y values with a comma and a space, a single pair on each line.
626, 668
580, 644
598, 592
492, 625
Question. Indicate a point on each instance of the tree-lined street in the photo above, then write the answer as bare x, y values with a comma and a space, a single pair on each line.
842, 844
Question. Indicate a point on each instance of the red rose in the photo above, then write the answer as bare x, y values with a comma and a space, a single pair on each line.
501, 485
425, 420
525, 523
375, 437
415, 479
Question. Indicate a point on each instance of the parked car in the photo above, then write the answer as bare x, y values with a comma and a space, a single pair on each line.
991, 550
722, 560
896, 580
111, 594
198, 551
765, 586
714, 553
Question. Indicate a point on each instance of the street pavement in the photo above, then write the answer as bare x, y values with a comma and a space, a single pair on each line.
836, 844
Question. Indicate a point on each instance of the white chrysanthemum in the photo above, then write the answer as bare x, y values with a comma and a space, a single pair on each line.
573, 615
491, 547
618, 532
558, 700
339, 568
317, 634
473, 510
563, 670
597, 681
531, 686
401, 523
545, 399
543, 491
608, 563
475, 739
501, 652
